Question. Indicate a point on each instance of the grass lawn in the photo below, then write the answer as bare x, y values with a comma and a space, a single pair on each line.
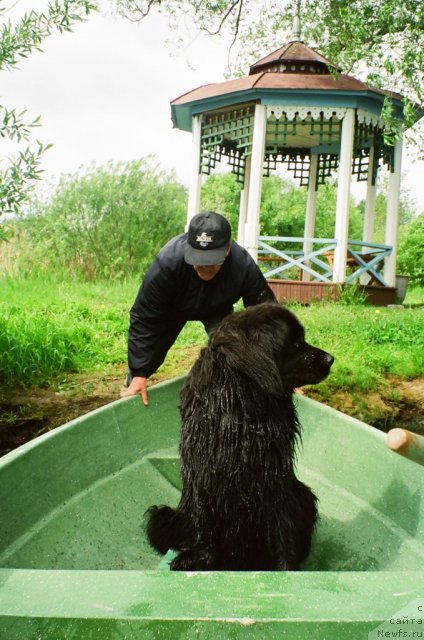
50, 328
70, 336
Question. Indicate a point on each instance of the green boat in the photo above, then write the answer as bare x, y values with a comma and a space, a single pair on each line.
75, 562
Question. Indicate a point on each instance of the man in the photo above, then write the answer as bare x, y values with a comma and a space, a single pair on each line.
198, 275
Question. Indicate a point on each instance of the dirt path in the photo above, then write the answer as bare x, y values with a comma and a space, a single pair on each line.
27, 414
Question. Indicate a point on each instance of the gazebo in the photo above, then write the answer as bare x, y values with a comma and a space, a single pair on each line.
296, 108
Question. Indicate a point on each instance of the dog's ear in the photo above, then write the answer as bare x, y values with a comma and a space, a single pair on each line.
249, 360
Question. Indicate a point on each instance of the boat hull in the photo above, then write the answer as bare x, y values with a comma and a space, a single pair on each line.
75, 562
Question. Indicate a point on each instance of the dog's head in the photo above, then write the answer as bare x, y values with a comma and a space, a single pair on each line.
267, 344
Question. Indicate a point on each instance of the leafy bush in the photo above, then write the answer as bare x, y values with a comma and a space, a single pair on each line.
410, 261
221, 193
108, 223
283, 206
351, 294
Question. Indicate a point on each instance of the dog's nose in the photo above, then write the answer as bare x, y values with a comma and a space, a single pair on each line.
329, 359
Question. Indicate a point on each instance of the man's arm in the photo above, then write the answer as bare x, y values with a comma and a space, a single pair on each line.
152, 329
255, 286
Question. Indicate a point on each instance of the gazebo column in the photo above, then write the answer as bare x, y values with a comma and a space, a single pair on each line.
311, 205
255, 183
369, 215
244, 196
343, 195
195, 186
392, 215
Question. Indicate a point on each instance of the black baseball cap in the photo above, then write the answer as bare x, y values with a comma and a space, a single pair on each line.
208, 237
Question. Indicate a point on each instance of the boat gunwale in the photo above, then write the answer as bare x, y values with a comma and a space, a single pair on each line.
57, 431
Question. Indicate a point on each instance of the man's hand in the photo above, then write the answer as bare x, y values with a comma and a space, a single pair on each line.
138, 385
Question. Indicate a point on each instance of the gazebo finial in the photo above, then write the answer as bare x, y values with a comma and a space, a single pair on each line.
296, 22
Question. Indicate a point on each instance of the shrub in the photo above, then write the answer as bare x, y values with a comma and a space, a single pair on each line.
283, 206
107, 223
410, 261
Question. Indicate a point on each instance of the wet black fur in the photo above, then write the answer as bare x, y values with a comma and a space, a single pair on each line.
242, 507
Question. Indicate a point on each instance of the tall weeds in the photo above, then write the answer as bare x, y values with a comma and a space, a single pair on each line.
41, 341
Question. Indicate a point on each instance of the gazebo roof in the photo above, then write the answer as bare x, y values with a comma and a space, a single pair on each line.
294, 56
293, 74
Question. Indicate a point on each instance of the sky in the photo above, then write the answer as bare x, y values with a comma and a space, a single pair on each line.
103, 93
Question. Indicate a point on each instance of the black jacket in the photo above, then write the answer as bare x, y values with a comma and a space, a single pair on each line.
172, 293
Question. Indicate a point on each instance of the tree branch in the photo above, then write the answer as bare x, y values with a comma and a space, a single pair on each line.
224, 18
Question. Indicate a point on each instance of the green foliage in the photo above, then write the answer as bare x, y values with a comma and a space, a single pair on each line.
109, 222
221, 192
414, 296
18, 41
51, 327
351, 294
39, 344
410, 261
407, 209
16, 180
283, 206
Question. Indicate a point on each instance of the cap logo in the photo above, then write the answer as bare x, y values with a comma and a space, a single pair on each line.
204, 239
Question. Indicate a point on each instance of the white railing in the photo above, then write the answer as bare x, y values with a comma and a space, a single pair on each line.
364, 259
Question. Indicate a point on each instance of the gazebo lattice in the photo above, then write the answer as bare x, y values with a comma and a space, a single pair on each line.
295, 108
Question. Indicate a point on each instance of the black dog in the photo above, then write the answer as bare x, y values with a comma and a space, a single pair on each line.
242, 507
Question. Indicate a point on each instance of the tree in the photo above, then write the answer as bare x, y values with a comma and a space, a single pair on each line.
106, 223
18, 41
410, 260
382, 38
283, 206
407, 210
221, 192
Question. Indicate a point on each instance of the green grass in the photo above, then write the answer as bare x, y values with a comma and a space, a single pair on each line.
48, 290
37, 344
49, 329
368, 343
414, 296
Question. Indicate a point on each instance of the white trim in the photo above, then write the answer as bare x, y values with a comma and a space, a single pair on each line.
244, 196
304, 111
195, 186
251, 235
367, 117
369, 214
343, 196
310, 213
392, 217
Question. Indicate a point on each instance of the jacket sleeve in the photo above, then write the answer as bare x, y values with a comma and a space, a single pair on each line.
152, 329
255, 286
